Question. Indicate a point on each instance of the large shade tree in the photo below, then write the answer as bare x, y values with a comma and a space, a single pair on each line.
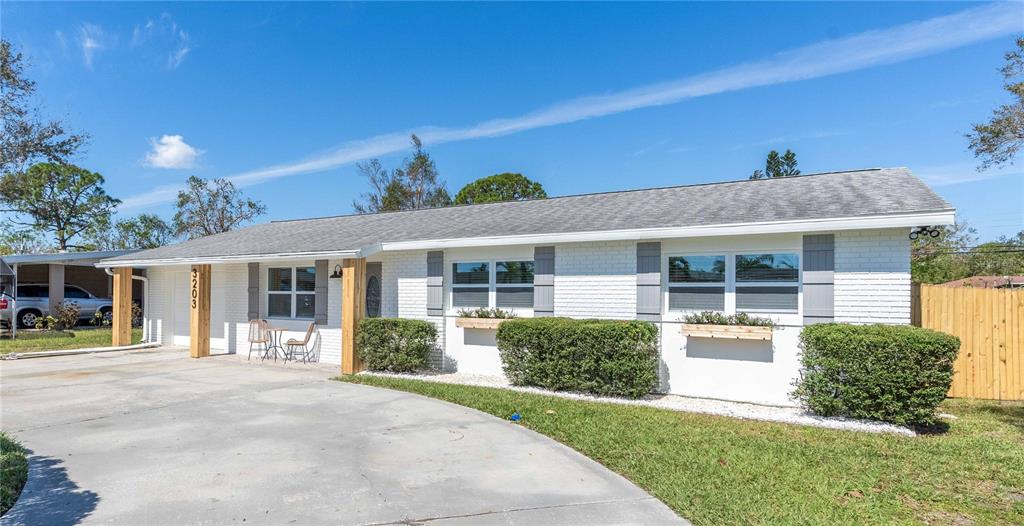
62, 200
142, 231
26, 137
207, 207
500, 187
997, 141
415, 185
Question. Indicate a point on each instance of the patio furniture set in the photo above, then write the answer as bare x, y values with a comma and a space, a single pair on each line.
266, 340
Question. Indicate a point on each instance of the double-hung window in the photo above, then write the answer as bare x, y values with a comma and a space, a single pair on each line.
767, 282
504, 284
291, 292
696, 283
471, 284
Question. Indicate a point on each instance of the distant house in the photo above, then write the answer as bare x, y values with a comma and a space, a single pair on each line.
800, 250
988, 282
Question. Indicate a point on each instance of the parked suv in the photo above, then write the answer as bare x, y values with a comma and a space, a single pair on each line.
33, 302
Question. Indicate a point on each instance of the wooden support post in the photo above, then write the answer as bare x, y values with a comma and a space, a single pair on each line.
122, 322
199, 307
353, 308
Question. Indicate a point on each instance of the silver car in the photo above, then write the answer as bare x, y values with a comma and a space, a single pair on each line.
33, 302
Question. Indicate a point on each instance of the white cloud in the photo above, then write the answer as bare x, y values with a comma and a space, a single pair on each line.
92, 40
165, 34
830, 57
171, 151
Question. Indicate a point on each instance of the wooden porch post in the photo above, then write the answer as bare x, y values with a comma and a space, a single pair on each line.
199, 307
122, 322
353, 308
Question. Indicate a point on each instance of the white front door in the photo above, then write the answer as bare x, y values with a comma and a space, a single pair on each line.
179, 309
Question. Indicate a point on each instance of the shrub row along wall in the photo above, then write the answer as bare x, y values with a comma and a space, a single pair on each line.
395, 345
605, 357
893, 373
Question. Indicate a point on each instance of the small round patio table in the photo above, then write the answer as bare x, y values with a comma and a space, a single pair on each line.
275, 342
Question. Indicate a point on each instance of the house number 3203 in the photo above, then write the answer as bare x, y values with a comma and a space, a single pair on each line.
195, 287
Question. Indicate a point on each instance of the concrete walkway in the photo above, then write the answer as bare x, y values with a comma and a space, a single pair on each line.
153, 437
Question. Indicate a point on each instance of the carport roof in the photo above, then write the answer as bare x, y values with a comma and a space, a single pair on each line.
873, 198
67, 258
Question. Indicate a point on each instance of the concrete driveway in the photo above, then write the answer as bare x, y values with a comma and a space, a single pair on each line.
154, 437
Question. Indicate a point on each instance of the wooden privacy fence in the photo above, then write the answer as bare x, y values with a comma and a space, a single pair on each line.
990, 325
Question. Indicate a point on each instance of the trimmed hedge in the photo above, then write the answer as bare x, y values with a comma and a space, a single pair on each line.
604, 357
13, 471
395, 345
892, 373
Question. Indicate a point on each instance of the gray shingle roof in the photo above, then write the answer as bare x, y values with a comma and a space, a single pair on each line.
818, 196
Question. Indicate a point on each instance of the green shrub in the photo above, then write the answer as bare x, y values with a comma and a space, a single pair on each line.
13, 471
891, 373
605, 357
709, 317
395, 345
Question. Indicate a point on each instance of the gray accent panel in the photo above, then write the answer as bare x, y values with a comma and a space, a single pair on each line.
696, 298
766, 298
543, 281
648, 280
819, 278
254, 290
320, 289
435, 283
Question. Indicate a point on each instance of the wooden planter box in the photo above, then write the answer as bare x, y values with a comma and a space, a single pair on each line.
479, 323
727, 332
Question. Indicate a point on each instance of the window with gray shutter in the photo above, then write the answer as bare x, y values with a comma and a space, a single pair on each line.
767, 282
435, 283
819, 271
544, 281
648, 281
696, 283
320, 291
254, 291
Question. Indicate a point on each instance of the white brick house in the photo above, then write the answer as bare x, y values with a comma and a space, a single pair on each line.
799, 250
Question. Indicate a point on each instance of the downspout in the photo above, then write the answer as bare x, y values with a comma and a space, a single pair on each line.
145, 302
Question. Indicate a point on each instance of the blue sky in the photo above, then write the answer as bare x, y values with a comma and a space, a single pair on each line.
581, 97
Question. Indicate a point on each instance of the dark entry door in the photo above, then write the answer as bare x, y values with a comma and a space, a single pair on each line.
373, 294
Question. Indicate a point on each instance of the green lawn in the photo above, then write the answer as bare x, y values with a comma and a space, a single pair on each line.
719, 470
29, 341
13, 471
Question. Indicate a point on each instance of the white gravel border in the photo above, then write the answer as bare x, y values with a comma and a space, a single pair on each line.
767, 413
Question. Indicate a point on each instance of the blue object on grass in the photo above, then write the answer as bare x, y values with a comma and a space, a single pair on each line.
515, 417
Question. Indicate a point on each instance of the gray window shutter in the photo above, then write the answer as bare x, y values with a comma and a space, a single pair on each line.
320, 288
544, 281
648, 281
435, 283
819, 288
254, 291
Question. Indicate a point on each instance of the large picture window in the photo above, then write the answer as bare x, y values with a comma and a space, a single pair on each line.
291, 292
739, 282
504, 284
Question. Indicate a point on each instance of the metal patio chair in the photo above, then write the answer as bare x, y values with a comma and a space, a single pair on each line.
301, 347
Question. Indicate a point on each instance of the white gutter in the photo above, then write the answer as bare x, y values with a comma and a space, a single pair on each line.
204, 260
944, 217
145, 303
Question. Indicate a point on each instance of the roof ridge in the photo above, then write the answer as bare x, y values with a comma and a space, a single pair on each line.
669, 187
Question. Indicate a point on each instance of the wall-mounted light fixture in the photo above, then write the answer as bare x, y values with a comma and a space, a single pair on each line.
924, 231
337, 272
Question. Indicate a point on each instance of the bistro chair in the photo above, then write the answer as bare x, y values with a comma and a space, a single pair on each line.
258, 338
300, 347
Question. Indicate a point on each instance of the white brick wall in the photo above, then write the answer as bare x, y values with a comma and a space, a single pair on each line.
404, 292
596, 280
872, 276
